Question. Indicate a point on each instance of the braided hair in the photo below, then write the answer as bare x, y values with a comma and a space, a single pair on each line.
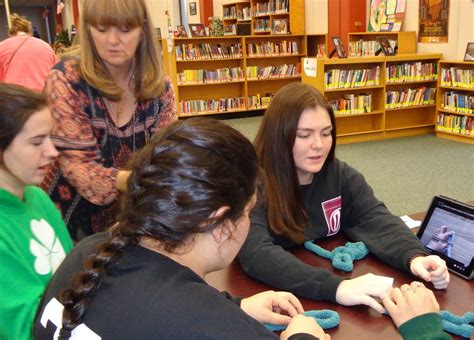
186, 172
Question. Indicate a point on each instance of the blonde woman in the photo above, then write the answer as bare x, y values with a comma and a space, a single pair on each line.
108, 97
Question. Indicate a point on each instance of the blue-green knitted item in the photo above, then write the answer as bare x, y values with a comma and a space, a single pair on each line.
459, 325
342, 256
326, 318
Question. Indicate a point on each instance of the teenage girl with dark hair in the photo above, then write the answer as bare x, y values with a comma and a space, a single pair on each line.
307, 194
185, 213
33, 237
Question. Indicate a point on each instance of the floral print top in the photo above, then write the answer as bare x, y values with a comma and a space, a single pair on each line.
82, 181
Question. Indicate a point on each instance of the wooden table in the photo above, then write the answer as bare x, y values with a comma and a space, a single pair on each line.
357, 322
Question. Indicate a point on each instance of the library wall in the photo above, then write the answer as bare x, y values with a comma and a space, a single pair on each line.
461, 28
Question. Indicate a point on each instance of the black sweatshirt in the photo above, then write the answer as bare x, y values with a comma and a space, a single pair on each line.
338, 200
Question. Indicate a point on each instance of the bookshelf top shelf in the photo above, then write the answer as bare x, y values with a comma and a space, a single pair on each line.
353, 60
380, 33
457, 62
413, 57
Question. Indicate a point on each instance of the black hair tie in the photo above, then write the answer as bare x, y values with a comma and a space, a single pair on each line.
64, 334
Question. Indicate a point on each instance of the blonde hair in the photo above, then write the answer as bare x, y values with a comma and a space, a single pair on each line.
148, 66
18, 24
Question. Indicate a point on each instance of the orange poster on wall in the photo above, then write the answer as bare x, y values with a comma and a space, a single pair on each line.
433, 25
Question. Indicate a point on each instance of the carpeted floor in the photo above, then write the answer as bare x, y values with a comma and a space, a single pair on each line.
405, 173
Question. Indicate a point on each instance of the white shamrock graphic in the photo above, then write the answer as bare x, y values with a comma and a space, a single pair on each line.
49, 251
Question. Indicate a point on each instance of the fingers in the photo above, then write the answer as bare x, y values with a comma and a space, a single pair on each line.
371, 302
294, 302
278, 319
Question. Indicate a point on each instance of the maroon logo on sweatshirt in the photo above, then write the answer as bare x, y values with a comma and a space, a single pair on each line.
332, 214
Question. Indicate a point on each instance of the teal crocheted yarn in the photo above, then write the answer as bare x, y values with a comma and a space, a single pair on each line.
459, 325
343, 256
326, 318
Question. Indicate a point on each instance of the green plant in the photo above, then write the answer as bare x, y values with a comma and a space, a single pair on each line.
216, 27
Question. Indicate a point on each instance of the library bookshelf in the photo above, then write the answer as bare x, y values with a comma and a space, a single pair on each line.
358, 88
235, 13
277, 17
455, 101
365, 43
413, 76
216, 75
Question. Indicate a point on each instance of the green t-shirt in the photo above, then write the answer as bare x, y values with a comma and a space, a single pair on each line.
33, 243
424, 327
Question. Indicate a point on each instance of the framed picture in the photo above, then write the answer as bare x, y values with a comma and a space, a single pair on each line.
280, 26
197, 30
341, 53
192, 8
469, 56
182, 31
158, 32
387, 49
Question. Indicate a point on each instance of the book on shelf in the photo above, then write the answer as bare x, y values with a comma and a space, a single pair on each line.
462, 125
271, 48
340, 78
352, 104
458, 102
407, 72
367, 48
207, 51
261, 25
457, 77
280, 26
269, 72
230, 29
221, 75
410, 97
258, 101
191, 107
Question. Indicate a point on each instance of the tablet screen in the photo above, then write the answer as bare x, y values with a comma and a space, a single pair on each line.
448, 230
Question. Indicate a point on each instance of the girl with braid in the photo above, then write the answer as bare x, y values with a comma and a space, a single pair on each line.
185, 213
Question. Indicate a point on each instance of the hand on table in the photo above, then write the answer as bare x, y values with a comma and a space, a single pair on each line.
409, 301
362, 291
266, 307
304, 324
431, 269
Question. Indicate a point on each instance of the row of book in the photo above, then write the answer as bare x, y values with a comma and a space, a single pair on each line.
259, 101
265, 72
261, 25
219, 75
231, 13
271, 7
462, 125
208, 51
269, 48
407, 72
212, 105
352, 104
457, 77
410, 97
364, 48
458, 102
339, 78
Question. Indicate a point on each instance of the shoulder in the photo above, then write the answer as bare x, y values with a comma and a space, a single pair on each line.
37, 194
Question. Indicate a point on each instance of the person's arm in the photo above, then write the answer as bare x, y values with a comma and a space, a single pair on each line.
277, 267
79, 160
167, 107
368, 220
20, 295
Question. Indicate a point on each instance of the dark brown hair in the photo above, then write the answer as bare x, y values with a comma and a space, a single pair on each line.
17, 105
186, 172
274, 145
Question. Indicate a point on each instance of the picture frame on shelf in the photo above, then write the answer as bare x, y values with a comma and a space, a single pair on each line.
182, 31
469, 55
192, 8
280, 26
197, 30
338, 47
385, 46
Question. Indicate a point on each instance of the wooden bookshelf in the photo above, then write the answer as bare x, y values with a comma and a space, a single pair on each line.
417, 74
317, 45
405, 41
455, 117
361, 123
266, 16
263, 71
235, 13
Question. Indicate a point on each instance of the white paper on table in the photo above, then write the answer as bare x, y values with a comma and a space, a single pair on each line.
410, 222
